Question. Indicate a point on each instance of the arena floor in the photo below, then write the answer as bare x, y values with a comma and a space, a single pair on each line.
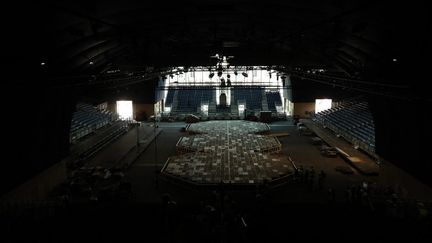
301, 210
146, 168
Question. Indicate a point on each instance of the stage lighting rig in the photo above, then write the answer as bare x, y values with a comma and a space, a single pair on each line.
222, 82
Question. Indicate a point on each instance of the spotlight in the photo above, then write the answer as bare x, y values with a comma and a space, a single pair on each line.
235, 73
219, 73
220, 68
43, 63
245, 74
91, 63
211, 75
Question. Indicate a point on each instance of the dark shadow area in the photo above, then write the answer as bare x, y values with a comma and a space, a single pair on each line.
218, 216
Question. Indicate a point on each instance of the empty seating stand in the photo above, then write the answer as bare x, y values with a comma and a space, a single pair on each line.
252, 97
273, 100
86, 119
352, 120
170, 97
188, 100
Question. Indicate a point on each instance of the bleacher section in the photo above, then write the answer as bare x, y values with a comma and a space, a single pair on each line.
189, 100
353, 121
87, 119
273, 100
170, 98
186, 100
252, 97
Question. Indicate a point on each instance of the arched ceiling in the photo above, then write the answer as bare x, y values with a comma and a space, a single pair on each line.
88, 38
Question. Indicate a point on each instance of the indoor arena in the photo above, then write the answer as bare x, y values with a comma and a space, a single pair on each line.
216, 121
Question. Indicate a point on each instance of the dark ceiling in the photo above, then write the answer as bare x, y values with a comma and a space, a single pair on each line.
82, 37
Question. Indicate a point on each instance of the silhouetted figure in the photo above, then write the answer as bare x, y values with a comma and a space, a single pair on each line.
331, 195
170, 214
306, 175
312, 177
321, 177
348, 195
322, 174
156, 182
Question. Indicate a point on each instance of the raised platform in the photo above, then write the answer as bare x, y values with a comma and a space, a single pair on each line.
228, 152
208, 143
233, 127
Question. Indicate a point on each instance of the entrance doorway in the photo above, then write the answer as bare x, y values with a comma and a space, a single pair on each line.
223, 99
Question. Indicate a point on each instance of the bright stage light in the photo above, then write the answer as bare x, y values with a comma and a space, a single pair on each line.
124, 109
322, 105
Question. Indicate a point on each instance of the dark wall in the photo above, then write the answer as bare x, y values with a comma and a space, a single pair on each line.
38, 123
403, 136
307, 91
143, 93
403, 132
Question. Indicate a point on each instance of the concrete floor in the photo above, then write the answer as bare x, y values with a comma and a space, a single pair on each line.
297, 146
143, 171
289, 212
293, 211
